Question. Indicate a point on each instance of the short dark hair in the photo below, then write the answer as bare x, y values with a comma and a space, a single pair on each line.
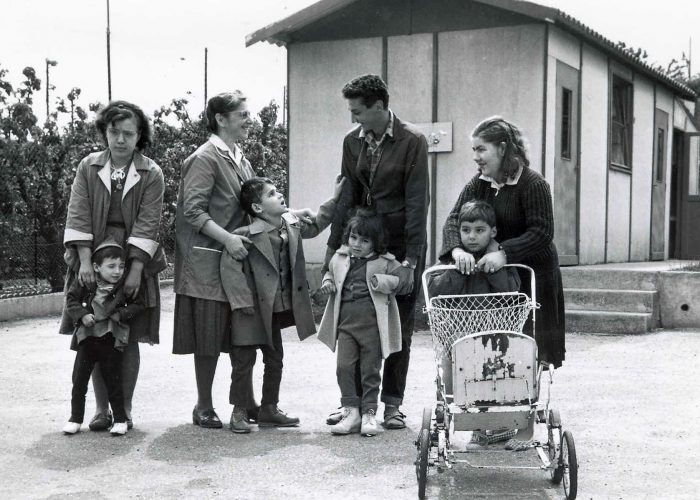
222, 103
117, 111
370, 88
368, 224
108, 252
251, 192
473, 211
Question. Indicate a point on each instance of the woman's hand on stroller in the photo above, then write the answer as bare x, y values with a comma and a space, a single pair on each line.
492, 262
463, 260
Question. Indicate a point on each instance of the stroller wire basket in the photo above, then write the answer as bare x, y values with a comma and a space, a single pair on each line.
454, 317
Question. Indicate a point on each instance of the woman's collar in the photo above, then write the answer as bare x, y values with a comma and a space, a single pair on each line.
509, 182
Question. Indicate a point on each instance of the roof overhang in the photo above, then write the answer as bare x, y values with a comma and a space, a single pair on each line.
279, 33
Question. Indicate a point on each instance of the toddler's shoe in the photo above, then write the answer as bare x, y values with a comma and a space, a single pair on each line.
271, 416
71, 428
100, 422
239, 421
350, 422
369, 424
119, 429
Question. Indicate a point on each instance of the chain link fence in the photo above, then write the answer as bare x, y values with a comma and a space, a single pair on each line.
31, 266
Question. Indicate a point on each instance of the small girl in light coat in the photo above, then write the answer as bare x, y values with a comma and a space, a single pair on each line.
362, 318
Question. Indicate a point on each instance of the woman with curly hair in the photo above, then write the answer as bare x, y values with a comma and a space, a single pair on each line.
117, 193
524, 217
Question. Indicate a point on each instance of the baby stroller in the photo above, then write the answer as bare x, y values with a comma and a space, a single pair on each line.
488, 379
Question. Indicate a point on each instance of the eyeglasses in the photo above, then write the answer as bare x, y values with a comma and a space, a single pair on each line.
115, 132
241, 114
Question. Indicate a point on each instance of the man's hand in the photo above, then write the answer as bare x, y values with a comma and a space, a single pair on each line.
338, 188
492, 262
405, 275
463, 260
235, 246
88, 320
306, 215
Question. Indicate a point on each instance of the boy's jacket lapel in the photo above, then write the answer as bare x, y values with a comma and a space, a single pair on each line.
258, 236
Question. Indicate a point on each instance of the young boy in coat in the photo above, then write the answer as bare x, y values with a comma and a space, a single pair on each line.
268, 291
101, 332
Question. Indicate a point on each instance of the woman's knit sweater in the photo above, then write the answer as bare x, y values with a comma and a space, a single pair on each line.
524, 218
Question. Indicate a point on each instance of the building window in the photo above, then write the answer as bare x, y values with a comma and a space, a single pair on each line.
621, 124
694, 167
566, 123
660, 154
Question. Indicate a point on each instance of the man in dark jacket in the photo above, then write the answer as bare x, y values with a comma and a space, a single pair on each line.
386, 161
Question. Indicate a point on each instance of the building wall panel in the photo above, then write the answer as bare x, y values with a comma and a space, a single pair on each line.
499, 71
319, 118
594, 156
642, 168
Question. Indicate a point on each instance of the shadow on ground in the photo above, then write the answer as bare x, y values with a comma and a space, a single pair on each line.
85, 449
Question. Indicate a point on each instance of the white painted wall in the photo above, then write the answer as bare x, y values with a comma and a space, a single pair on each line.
319, 118
564, 47
664, 101
485, 72
618, 216
642, 168
410, 80
594, 155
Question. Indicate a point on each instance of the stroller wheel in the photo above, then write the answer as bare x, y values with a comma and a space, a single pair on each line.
569, 466
427, 416
422, 461
554, 445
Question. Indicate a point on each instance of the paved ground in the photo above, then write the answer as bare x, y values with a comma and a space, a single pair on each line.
631, 402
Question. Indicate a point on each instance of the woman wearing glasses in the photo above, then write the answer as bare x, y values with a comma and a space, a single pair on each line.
208, 211
117, 193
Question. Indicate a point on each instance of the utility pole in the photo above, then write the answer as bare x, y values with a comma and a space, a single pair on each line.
109, 63
206, 57
49, 62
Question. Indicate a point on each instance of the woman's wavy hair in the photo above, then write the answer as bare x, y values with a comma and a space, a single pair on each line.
496, 130
367, 223
223, 103
121, 110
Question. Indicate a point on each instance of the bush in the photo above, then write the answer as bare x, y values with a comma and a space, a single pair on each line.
38, 164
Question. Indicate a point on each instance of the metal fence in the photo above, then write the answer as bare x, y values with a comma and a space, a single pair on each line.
30, 266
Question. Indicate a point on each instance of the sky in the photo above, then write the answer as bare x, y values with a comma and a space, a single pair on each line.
157, 46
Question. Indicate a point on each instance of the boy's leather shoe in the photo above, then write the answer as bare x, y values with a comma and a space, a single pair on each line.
206, 418
239, 421
351, 422
101, 422
271, 416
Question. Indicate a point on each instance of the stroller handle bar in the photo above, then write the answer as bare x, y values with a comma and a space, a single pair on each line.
445, 267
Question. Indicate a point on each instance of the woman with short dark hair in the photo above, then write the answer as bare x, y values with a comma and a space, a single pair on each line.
208, 211
118, 193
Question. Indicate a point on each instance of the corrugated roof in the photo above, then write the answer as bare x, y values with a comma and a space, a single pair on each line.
279, 32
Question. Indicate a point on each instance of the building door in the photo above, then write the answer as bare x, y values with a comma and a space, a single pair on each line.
687, 237
658, 186
566, 165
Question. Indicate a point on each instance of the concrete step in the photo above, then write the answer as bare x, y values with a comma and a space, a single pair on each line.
612, 279
638, 301
586, 321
